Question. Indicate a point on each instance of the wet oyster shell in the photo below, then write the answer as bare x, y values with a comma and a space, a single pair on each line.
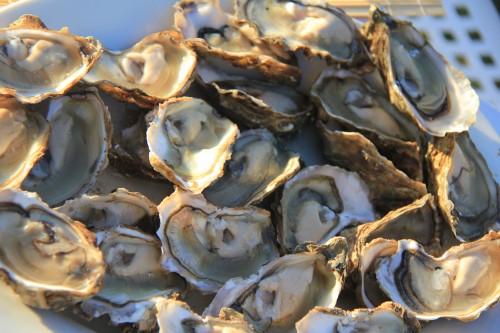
420, 81
467, 193
158, 67
77, 150
286, 289
209, 245
46, 257
388, 317
23, 142
189, 142
36, 63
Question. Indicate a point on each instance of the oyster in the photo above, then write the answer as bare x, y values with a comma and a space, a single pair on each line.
388, 317
315, 27
258, 165
354, 152
209, 245
134, 280
419, 79
118, 208
77, 151
320, 201
464, 185
158, 67
359, 102
24, 140
46, 257
176, 317
286, 289
189, 142
460, 284
36, 63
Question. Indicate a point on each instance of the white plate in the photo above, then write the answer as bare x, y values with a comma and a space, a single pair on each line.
119, 25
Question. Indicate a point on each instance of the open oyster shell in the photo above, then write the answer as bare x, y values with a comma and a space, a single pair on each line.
24, 139
209, 245
36, 63
176, 317
46, 257
286, 289
320, 201
466, 191
158, 67
189, 142
134, 281
120, 207
258, 165
77, 151
421, 82
388, 317
360, 102
315, 27
460, 284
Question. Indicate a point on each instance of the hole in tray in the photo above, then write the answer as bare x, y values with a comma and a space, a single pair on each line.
497, 83
475, 35
462, 11
449, 36
487, 59
462, 59
476, 84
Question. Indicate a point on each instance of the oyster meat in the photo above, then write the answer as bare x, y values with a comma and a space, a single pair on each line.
46, 257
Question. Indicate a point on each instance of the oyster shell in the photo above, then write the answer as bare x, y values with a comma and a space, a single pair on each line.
315, 27
118, 208
77, 151
460, 284
419, 79
176, 317
209, 245
134, 280
36, 63
360, 102
24, 140
354, 152
388, 317
258, 165
286, 289
46, 257
464, 185
189, 142
158, 67
320, 201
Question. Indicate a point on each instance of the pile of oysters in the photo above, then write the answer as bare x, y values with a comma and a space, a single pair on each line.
405, 213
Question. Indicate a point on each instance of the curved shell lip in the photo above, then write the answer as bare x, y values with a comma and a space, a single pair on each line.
43, 295
195, 185
90, 51
138, 95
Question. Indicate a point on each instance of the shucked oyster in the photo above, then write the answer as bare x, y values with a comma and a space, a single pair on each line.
258, 165
319, 202
460, 284
287, 288
388, 318
36, 63
23, 142
48, 259
209, 245
176, 317
158, 67
466, 191
78, 145
420, 81
134, 281
313, 26
189, 142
